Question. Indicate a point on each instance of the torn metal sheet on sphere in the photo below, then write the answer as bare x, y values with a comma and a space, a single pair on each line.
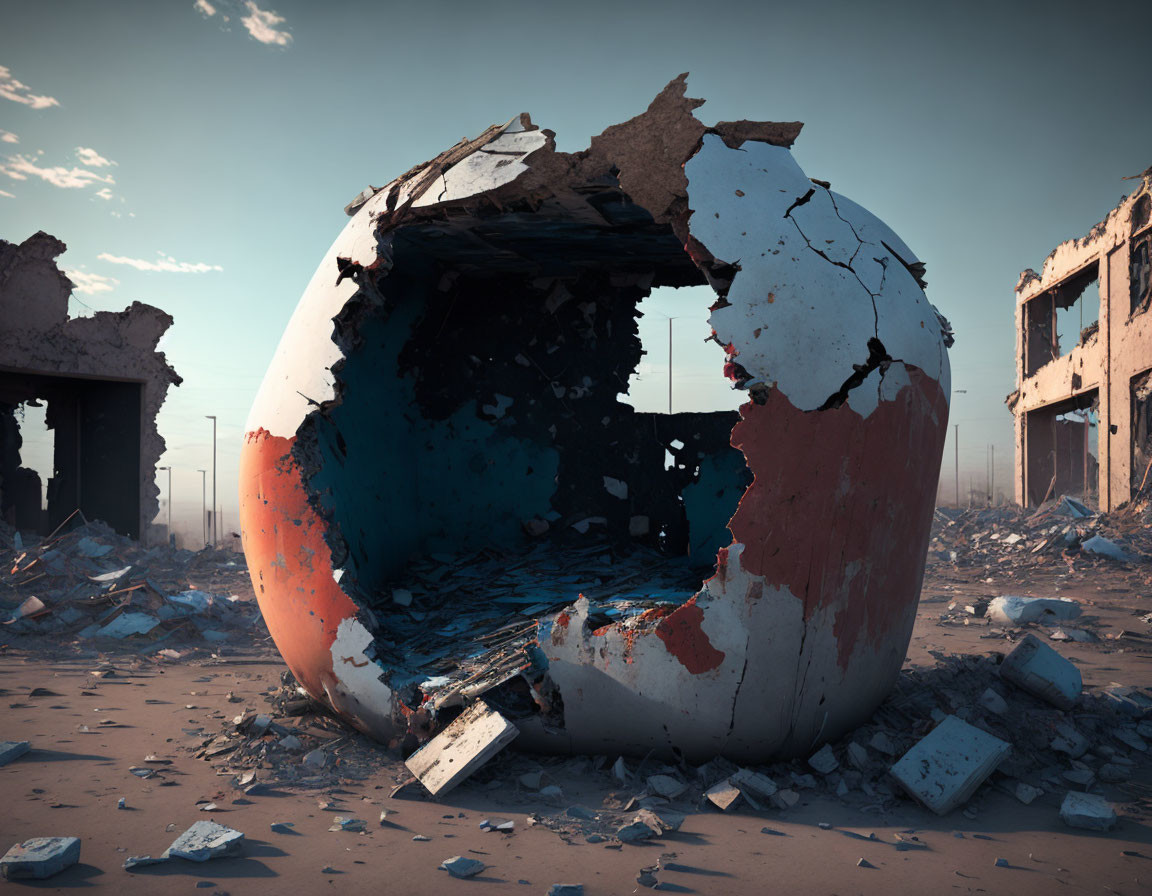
443, 496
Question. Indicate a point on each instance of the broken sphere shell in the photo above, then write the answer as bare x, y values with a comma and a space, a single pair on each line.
442, 422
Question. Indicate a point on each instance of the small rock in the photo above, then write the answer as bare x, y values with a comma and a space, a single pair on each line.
620, 770
420, 838
121, 803
1131, 739
205, 840
1002, 863
864, 863
723, 795
785, 799
857, 755
315, 759
1088, 811
40, 858
824, 826
580, 812
531, 780
993, 702
666, 786
824, 760
551, 792
882, 743
566, 890
636, 831
1026, 793
291, 742
345, 823
282, 827
458, 866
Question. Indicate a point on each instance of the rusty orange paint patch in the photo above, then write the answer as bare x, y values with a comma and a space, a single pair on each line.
684, 638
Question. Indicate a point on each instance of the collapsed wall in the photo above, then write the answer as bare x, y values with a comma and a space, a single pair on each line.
443, 497
103, 382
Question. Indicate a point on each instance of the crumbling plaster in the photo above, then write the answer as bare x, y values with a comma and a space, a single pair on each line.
820, 312
37, 336
1119, 350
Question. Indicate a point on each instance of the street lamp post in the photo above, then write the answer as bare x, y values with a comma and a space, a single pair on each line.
213, 419
203, 508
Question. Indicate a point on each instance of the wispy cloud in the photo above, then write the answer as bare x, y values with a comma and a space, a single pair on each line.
19, 92
163, 263
90, 284
8, 137
104, 193
91, 158
261, 24
22, 167
205, 8
6, 193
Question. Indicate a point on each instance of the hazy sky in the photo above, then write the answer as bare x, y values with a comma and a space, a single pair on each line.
198, 155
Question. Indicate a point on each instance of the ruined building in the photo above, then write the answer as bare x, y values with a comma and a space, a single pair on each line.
445, 501
103, 383
1083, 402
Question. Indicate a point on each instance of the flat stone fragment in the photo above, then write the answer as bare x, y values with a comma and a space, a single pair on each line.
1088, 811
566, 890
458, 866
993, 702
1026, 793
946, 766
1040, 670
205, 840
637, 830
12, 749
474, 737
40, 858
723, 795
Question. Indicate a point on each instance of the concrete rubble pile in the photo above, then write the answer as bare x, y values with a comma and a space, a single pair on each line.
1008, 537
95, 588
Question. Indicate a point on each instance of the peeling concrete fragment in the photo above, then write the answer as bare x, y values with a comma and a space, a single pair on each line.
758, 785
40, 858
666, 786
1040, 670
477, 734
945, 767
1087, 811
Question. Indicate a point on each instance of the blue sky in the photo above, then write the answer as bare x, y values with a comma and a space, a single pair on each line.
235, 132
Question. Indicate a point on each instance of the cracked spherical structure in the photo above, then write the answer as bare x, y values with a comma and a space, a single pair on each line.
444, 499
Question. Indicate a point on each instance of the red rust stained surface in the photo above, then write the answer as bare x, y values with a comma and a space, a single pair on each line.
840, 508
289, 561
684, 638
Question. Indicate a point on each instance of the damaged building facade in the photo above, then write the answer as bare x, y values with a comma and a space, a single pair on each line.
445, 500
1083, 402
102, 382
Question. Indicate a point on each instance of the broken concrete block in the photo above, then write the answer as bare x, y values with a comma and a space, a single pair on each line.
723, 795
785, 799
666, 786
1088, 811
946, 766
1040, 670
205, 840
1026, 793
459, 866
1130, 701
12, 749
750, 782
1071, 634
40, 857
824, 760
474, 737
1130, 739
1070, 741
882, 743
1012, 610
566, 890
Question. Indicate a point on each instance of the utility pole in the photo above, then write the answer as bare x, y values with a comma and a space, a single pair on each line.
203, 508
214, 514
169, 469
956, 442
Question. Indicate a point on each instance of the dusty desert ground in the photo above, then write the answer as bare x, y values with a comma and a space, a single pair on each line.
91, 716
